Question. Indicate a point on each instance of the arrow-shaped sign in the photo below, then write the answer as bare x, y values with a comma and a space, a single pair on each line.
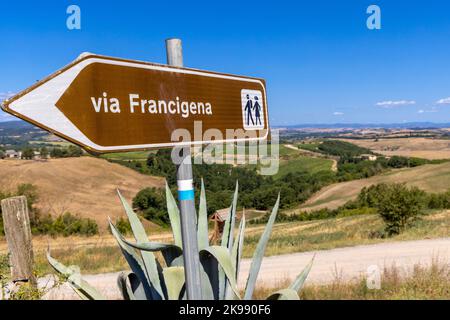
107, 104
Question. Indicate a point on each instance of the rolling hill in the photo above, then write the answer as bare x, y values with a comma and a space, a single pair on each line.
85, 186
430, 178
427, 148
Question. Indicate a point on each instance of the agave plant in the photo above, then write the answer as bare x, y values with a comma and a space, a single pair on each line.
151, 280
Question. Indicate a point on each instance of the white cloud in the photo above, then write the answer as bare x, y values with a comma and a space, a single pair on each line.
6, 95
431, 110
443, 101
392, 104
338, 113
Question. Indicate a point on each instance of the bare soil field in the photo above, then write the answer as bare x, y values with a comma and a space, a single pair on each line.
85, 186
430, 178
426, 148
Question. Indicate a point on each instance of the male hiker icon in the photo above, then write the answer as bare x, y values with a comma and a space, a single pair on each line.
248, 108
257, 108
253, 109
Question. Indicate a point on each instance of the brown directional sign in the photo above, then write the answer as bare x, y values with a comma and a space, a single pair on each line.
106, 104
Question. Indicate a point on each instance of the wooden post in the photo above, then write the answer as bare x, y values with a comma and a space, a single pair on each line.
18, 236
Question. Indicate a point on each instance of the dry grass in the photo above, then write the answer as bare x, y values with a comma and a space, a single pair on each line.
426, 148
421, 283
90, 260
92, 254
84, 186
430, 178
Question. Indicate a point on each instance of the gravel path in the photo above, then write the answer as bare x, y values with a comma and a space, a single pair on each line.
346, 263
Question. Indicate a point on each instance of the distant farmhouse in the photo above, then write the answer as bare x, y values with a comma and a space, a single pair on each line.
12, 154
370, 157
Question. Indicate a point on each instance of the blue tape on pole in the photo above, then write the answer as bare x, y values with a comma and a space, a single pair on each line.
185, 195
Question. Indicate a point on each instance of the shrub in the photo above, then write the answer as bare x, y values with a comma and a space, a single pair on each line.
356, 212
66, 224
123, 226
399, 206
66, 152
27, 153
439, 200
150, 202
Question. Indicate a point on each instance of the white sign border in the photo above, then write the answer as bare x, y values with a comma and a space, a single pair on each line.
49, 92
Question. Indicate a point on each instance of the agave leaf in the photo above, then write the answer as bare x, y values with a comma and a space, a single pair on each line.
207, 290
202, 227
299, 282
80, 286
151, 267
151, 246
174, 216
227, 235
169, 251
125, 289
174, 279
227, 240
130, 286
223, 258
211, 268
136, 263
259, 253
285, 294
236, 253
177, 262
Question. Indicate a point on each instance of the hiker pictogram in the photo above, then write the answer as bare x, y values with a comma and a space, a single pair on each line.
257, 109
249, 109
252, 109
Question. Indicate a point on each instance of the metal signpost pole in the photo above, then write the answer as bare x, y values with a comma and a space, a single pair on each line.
186, 199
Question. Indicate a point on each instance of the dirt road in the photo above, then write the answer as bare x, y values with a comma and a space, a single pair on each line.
346, 263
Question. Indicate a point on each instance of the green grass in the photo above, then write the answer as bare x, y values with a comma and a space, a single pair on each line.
309, 146
285, 152
52, 143
135, 155
311, 165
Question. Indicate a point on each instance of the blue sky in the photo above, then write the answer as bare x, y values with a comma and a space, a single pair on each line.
321, 62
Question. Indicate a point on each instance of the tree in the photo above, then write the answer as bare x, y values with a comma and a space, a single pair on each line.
28, 154
56, 153
399, 206
398, 162
70, 151
74, 151
44, 152
152, 204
